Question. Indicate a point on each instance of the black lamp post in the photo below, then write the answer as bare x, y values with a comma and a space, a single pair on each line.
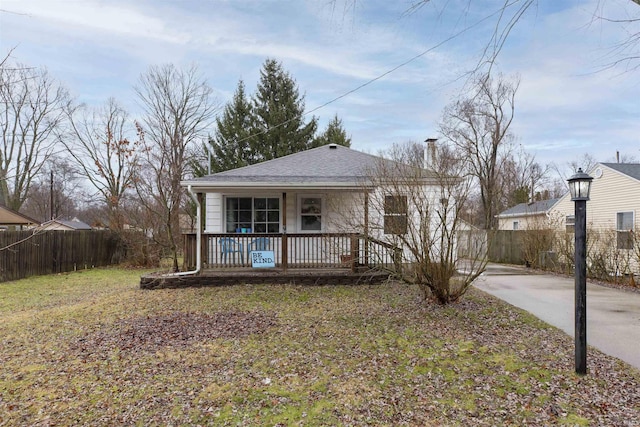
580, 186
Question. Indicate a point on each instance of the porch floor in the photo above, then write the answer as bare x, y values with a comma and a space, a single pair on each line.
237, 276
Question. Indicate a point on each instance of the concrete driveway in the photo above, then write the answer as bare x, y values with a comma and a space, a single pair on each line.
613, 316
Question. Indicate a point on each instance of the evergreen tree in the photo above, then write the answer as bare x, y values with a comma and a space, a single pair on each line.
334, 134
278, 108
230, 146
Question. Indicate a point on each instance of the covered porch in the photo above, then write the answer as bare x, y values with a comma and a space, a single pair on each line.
300, 259
300, 251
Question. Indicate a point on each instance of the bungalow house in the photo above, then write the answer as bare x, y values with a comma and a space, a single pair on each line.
526, 216
311, 208
11, 218
65, 225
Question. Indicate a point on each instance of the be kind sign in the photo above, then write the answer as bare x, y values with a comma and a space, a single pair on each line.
262, 259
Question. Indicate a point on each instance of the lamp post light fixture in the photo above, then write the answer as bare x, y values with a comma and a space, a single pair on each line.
580, 187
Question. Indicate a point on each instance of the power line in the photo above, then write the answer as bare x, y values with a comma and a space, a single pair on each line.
386, 73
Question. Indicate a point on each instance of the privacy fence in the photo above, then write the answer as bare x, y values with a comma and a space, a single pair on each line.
612, 255
25, 253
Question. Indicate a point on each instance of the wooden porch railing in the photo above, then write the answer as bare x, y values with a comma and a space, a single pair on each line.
328, 250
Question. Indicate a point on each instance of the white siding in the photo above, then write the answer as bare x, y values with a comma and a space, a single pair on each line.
213, 213
337, 209
525, 222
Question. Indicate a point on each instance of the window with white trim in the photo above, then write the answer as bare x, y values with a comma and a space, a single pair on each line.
395, 214
624, 230
516, 225
252, 214
570, 223
310, 213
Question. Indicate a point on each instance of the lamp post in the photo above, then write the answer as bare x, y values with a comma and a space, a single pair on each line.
580, 186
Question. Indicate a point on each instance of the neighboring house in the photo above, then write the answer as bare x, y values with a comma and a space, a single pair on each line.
612, 218
61, 224
298, 206
614, 202
11, 218
527, 216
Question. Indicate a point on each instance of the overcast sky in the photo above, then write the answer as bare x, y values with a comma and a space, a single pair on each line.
566, 105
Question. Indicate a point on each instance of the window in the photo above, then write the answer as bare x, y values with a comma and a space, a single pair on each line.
570, 223
311, 213
253, 214
395, 214
516, 225
624, 228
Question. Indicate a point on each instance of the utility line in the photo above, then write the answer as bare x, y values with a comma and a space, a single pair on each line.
386, 73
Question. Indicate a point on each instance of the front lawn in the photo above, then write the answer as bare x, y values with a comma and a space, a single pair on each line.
91, 348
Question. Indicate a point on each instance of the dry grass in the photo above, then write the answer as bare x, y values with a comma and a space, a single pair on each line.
90, 348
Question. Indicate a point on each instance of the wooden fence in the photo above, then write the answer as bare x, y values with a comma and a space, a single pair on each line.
506, 246
25, 253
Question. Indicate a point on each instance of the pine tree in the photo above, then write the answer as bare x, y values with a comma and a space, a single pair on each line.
230, 145
334, 134
278, 109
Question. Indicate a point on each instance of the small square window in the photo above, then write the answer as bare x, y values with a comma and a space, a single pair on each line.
311, 213
570, 223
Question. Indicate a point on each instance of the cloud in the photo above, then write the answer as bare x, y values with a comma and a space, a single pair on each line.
90, 16
100, 48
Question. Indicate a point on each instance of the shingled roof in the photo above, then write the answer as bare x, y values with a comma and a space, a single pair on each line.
11, 217
529, 208
630, 169
328, 165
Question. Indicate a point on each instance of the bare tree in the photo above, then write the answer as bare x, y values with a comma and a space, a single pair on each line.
55, 192
100, 144
179, 108
32, 111
586, 162
422, 214
479, 126
523, 179
625, 53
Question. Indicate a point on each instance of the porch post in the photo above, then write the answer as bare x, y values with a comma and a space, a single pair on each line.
366, 228
204, 247
285, 249
355, 251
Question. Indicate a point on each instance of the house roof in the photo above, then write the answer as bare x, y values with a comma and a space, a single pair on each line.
630, 169
71, 225
329, 165
534, 208
11, 217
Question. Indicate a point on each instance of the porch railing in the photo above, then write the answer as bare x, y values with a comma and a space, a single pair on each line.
328, 250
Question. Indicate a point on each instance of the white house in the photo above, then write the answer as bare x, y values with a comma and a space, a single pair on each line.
302, 206
66, 225
527, 216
